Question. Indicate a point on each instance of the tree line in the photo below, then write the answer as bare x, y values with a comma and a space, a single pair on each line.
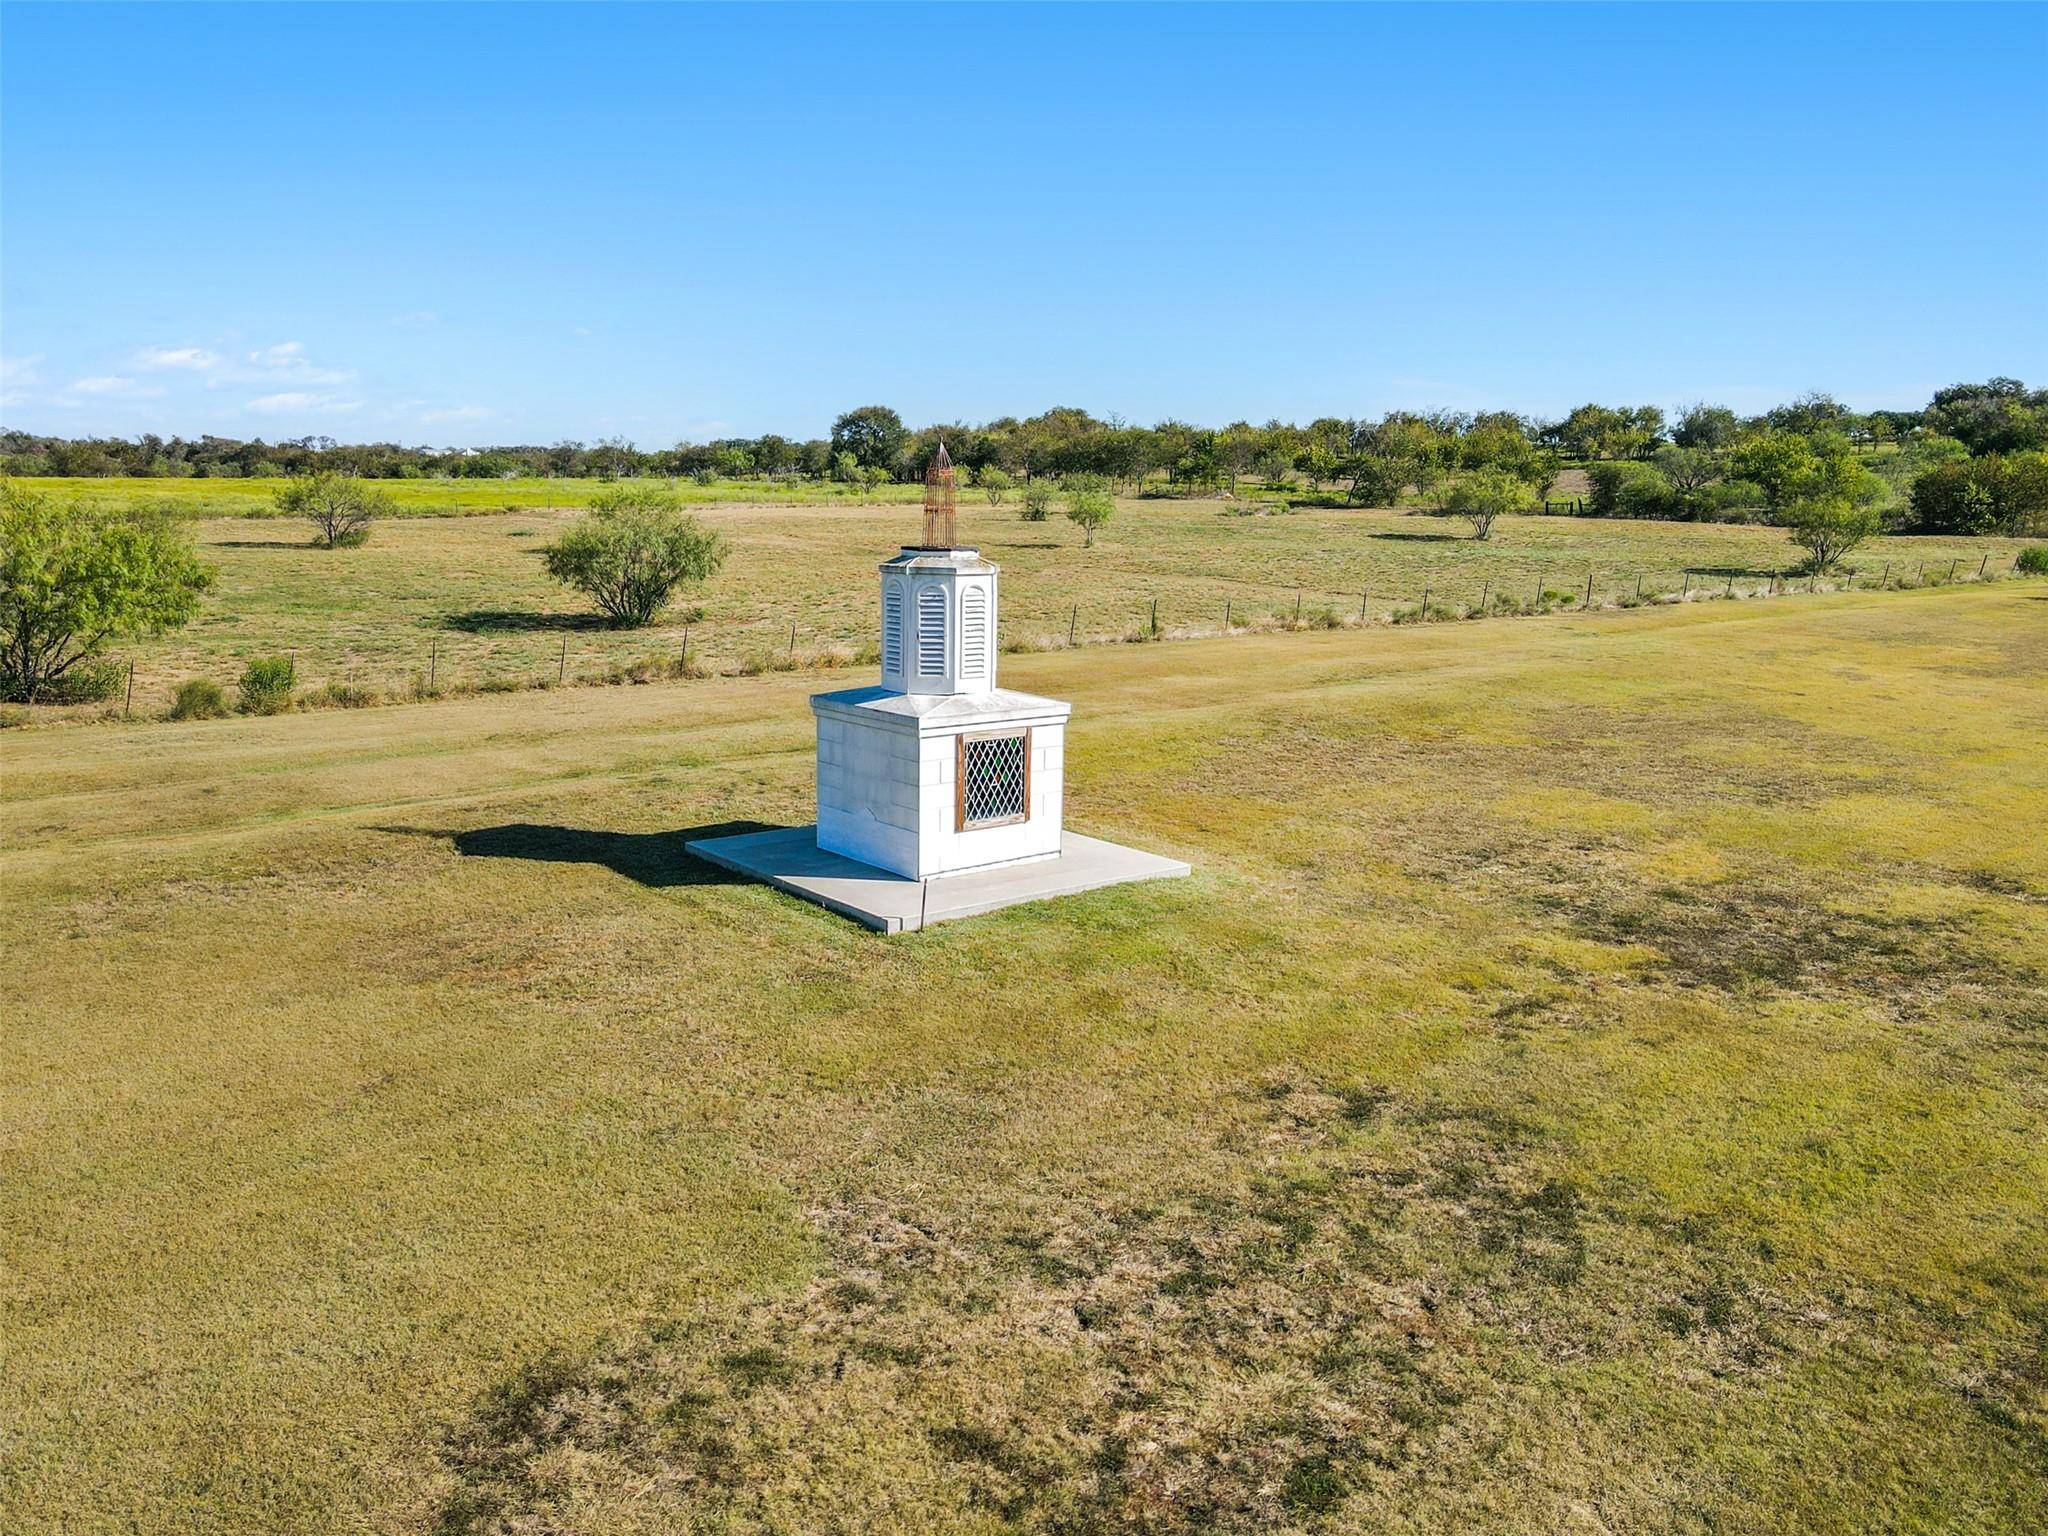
1970, 461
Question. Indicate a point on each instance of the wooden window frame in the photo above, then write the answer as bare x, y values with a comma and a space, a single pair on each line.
960, 821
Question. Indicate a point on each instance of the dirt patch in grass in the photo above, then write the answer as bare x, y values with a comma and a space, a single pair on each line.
1245, 1356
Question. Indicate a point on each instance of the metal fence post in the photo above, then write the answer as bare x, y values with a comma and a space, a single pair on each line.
1073, 617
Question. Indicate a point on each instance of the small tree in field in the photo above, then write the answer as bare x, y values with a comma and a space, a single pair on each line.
1829, 527
632, 552
340, 507
72, 578
995, 485
1483, 495
1037, 501
1089, 504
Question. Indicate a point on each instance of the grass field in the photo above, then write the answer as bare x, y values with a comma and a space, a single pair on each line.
470, 593
1593, 1082
443, 498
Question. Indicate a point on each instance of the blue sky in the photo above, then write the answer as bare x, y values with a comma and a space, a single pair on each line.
520, 223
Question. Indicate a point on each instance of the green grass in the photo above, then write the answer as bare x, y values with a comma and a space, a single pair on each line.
1593, 1080
468, 596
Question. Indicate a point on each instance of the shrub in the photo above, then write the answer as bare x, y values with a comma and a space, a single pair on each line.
2033, 560
1037, 501
633, 550
87, 683
341, 696
1485, 494
1089, 504
995, 484
1829, 527
199, 698
266, 685
340, 507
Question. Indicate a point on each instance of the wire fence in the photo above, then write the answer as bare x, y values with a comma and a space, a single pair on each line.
785, 642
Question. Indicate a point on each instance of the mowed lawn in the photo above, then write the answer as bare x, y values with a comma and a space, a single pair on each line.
466, 601
1594, 1081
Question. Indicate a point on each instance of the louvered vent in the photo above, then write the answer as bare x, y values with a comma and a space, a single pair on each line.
931, 632
892, 627
974, 634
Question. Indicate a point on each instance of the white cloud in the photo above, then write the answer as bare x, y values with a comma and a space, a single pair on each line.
20, 370
285, 354
455, 413
191, 359
291, 400
416, 320
112, 386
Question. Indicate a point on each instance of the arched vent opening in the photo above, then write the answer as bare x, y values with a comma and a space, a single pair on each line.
974, 634
892, 627
931, 632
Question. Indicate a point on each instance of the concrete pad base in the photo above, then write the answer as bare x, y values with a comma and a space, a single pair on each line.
790, 859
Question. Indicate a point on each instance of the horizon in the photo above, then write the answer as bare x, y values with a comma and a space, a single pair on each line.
684, 224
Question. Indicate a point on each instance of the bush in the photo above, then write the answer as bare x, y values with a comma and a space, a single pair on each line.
1485, 494
1829, 527
199, 698
995, 484
88, 682
1037, 501
266, 685
1089, 504
633, 550
2033, 560
340, 507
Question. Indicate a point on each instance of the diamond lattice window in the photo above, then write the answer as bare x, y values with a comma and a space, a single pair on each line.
995, 779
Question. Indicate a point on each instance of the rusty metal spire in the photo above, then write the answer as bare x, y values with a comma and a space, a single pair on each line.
939, 491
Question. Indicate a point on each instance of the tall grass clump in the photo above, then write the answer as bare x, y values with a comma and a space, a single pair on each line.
266, 686
199, 698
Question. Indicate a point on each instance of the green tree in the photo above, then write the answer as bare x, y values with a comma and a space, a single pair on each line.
1778, 463
633, 550
1037, 500
1483, 495
340, 507
873, 434
73, 578
995, 483
1708, 427
1089, 504
1829, 526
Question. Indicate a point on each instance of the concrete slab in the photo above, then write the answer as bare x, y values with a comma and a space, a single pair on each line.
790, 859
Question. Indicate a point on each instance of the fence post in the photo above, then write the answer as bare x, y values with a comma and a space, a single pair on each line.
792, 637
1155, 615
1297, 602
1423, 612
1639, 586
1589, 591
1485, 589
130, 698
1073, 616
433, 662
1731, 588
1952, 567
1363, 598
1920, 575
1685, 586
562, 667
1885, 580
1226, 615
1982, 563
686, 651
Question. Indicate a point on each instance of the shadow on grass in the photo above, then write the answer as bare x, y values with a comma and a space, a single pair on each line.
654, 859
511, 621
1740, 572
262, 544
1421, 538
